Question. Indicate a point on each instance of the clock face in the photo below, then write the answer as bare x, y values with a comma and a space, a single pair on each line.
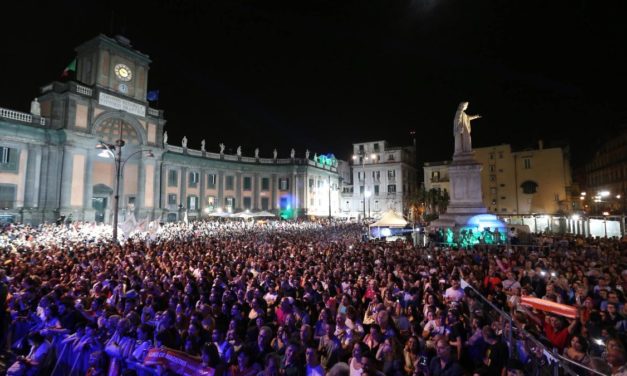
123, 72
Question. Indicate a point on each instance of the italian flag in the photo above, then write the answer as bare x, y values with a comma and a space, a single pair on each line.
70, 67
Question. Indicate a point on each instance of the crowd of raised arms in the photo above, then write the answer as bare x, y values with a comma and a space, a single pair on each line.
303, 299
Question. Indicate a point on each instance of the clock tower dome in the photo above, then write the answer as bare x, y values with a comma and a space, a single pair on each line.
112, 64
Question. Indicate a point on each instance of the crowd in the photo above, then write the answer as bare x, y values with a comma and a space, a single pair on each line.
303, 299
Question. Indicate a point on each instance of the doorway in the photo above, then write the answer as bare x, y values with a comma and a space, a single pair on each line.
99, 204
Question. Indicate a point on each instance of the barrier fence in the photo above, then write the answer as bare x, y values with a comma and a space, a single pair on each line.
525, 347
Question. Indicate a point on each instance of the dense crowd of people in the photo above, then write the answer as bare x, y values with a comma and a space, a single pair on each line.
304, 299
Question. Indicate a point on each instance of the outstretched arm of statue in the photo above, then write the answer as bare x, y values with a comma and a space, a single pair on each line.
473, 117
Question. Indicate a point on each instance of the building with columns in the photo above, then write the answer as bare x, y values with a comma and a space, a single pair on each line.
50, 166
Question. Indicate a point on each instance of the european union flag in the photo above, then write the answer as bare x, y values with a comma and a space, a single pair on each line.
153, 95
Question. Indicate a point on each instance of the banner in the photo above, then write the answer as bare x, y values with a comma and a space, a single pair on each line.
549, 306
177, 362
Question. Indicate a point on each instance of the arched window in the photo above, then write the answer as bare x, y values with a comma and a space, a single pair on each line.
529, 187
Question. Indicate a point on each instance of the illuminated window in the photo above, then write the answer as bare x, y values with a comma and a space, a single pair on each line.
192, 202
229, 203
527, 163
9, 159
284, 184
211, 202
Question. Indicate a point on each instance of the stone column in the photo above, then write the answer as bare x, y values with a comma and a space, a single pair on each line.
163, 196
238, 190
140, 201
202, 204
273, 187
256, 189
220, 200
66, 181
31, 187
183, 187
88, 187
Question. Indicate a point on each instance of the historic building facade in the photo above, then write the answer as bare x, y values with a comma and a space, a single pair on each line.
383, 178
516, 182
50, 166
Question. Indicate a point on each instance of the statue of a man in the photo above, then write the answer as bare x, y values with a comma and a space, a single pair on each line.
239, 151
184, 142
274, 153
315, 157
292, 153
165, 137
461, 129
307, 154
202, 145
256, 152
221, 148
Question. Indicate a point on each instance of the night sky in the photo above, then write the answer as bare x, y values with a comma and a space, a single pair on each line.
325, 74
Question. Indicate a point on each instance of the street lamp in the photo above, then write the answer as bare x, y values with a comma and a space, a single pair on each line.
109, 151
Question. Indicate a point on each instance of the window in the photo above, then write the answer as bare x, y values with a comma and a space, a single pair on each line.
192, 202
311, 184
503, 209
130, 200
529, 187
491, 155
435, 176
229, 203
392, 188
361, 175
7, 196
248, 203
391, 157
172, 199
493, 191
376, 205
171, 217
492, 177
229, 183
248, 183
376, 175
284, 184
391, 174
9, 159
211, 181
375, 147
376, 190
265, 203
492, 168
173, 178
5, 155
361, 149
211, 203
527, 163
194, 178
500, 155
347, 206
361, 189
265, 184
502, 185
502, 197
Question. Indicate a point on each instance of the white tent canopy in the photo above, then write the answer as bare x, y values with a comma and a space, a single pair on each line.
219, 214
263, 214
390, 219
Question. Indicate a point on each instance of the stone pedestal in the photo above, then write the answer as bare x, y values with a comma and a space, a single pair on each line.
465, 196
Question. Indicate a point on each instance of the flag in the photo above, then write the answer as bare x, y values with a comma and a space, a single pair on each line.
153, 95
71, 67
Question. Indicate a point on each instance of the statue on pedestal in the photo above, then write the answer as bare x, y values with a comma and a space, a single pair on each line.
239, 151
202, 145
184, 142
35, 107
461, 129
165, 138
307, 154
316, 157
257, 153
221, 148
274, 153
292, 153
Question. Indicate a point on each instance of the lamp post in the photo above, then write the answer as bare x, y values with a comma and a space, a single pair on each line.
115, 151
329, 197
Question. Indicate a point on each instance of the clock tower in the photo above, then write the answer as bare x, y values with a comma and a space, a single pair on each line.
112, 64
